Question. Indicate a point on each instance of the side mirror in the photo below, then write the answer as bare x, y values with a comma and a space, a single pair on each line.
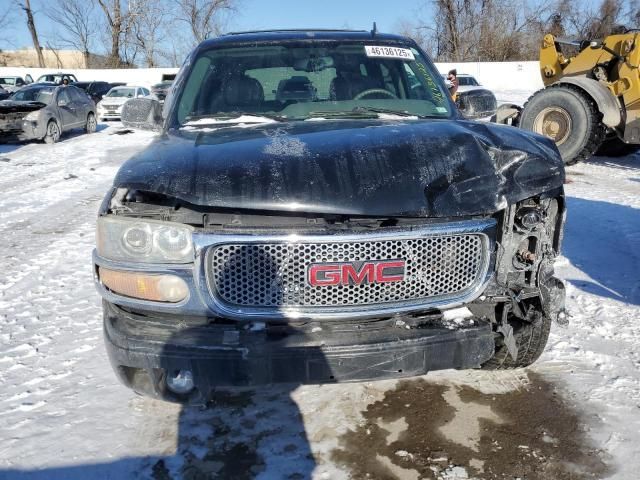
478, 103
143, 114
62, 103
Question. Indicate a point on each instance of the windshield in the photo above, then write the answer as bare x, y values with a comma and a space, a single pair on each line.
55, 78
467, 82
42, 95
122, 92
302, 82
7, 81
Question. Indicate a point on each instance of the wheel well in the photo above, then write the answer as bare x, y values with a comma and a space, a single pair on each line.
607, 103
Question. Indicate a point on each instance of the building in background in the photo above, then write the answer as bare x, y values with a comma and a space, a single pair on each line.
53, 58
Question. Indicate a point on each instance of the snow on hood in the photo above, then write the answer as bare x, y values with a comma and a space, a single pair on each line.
213, 124
239, 120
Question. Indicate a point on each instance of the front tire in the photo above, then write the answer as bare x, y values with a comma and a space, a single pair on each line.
53, 132
569, 117
531, 339
91, 125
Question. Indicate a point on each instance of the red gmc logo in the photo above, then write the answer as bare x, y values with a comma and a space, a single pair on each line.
355, 273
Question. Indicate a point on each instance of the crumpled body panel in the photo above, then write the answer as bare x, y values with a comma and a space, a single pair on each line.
418, 168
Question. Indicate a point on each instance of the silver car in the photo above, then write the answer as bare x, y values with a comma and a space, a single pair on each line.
13, 84
45, 111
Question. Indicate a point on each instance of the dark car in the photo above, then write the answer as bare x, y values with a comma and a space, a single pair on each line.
161, 90
96, 89
316, 209
44, 111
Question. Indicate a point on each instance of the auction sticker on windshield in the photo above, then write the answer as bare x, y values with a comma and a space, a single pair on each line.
389, 52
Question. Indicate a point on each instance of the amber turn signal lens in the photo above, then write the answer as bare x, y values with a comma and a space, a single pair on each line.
157, 288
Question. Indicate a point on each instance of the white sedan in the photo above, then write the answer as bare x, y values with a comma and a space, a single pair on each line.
110, 107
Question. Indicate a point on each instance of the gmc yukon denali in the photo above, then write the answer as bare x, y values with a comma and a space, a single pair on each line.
316, 209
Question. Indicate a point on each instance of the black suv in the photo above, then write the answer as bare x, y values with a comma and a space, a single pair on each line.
316, 209
96, 89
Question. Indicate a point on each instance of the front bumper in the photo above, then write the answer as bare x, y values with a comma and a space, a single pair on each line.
22, 130
110, 113
144, 350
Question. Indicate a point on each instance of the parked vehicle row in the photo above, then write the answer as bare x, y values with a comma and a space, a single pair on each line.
44, 111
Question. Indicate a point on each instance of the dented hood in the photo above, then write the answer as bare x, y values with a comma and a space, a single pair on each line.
10, 106
435, 168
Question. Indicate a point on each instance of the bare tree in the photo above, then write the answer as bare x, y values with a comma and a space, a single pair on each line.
488, 30
148, 20
5, 22
116, 23
422, 35
55, 54
586, 22
31, 25
76, 18
204, 17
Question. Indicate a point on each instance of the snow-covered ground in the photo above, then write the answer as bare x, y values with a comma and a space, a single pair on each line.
574, 414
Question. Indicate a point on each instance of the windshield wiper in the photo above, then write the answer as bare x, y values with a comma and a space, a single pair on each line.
342, 114
388, 111
362, 112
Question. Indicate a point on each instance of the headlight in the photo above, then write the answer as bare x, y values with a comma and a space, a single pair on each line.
147, 241
33, 116
157, 288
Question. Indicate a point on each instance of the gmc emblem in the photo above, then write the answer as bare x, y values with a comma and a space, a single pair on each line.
355, 273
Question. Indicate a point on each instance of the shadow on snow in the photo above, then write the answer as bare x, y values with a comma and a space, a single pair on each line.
602, 240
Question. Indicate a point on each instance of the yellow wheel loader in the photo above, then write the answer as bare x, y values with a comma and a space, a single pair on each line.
591, 101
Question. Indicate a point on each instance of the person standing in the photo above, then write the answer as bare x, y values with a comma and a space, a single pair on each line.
452, 76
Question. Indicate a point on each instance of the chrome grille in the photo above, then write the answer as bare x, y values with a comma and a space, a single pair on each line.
273, 274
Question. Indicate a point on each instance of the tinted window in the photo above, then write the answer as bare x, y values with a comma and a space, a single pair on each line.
145, 91
63, 96
126, 92
467, 82
77, 94
42, 94
8, 80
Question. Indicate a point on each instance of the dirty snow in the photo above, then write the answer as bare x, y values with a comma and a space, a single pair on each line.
64, 416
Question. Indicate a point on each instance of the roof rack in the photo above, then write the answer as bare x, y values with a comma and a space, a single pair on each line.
295, 30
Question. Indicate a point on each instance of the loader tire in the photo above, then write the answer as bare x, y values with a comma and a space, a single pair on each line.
567, 115
531, 339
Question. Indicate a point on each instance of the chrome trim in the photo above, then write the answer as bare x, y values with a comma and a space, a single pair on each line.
204, 241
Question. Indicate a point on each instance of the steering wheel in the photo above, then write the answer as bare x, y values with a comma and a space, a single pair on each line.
375, 90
